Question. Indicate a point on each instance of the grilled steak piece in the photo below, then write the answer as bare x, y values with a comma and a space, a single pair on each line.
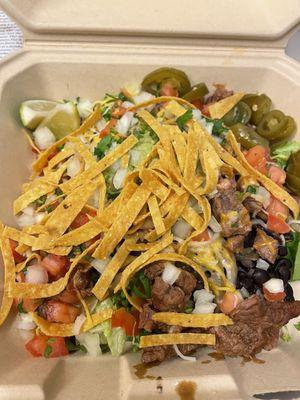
166, 297
229, 211
161, 353
236, 243
252, 205
82, 280
154, 270
187, 282
145, 318
266, 246
219, 94
256, 326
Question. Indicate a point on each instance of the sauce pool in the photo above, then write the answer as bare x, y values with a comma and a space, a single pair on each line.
186, 390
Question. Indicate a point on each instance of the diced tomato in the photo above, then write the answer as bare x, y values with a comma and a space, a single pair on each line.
30, 305
118, 112
205, 110
57, 311
277, 174
273, 296
53, 154
257, 157
55, 265
126, 321
198, 103
277, 224
277, 208
18, 258
202, 237
112, 123
47, 346
92, 213
168, 90
81, 219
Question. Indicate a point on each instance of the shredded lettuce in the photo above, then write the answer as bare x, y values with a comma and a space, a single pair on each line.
282, 153
91, 342
147, 139
116, 341
293, 254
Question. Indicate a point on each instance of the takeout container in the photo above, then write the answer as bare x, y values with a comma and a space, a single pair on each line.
87, 48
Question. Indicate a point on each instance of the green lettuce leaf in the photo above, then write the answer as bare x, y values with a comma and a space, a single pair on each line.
282, 153
293, 254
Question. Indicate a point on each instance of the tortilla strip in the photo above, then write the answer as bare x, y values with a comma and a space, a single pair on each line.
42, 160
175, 212
162, 174
39, 291
9, 277
152, 183
220, 108
35, 229
161, 99
83, 151
177, 338
67, 330
59, 157
102, 195
22, 265
111, 270
37, 189
192, 320
276, 190
120, 227
180, 147
31, 142
192, 217
139, 246
62, 217
19, 236
156, 216
100, 166
159, 129
191, 154
175, 108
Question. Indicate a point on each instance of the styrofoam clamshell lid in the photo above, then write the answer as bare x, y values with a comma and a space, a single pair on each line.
240, 19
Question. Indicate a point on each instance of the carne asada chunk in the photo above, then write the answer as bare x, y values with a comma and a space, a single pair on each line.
266, 246
236, 243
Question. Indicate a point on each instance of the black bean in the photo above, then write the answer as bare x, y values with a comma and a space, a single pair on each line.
283, 262
260, 276
249, 239
282, 251
289, 293
284, 272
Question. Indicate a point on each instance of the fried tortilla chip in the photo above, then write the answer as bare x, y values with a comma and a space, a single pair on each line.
120, 227
67, 330
111, 270
152, 183
220, 108
192, 320
177, 338
276, 190
162, 99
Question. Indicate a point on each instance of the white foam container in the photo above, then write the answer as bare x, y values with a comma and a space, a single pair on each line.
90, 47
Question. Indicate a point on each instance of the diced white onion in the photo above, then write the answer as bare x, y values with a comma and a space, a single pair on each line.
124, 122
127, 104
36, 274
25, 220
43, 138
25, 322
142, 97
214, 225
91, 341
204, 308
203, 296
181, 229
209, 127
119, 178
262, 264
84, 107
185, 358
101, 124
79, 321
282, 240
171, 273
197, 114
274, 285
263, 196
73, 166
100, 265
29, 210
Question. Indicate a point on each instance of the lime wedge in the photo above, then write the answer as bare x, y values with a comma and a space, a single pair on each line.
32, 112
62, 120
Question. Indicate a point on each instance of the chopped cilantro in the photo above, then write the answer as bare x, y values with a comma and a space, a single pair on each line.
234, 225
285, 335
60, 148
48, 351
184, 118
58, 191
51, 340
105, 144
251, 189
122, 96
49, 209
119, 300
219, 129
76, 250
20, 308
297, 326
41, 201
